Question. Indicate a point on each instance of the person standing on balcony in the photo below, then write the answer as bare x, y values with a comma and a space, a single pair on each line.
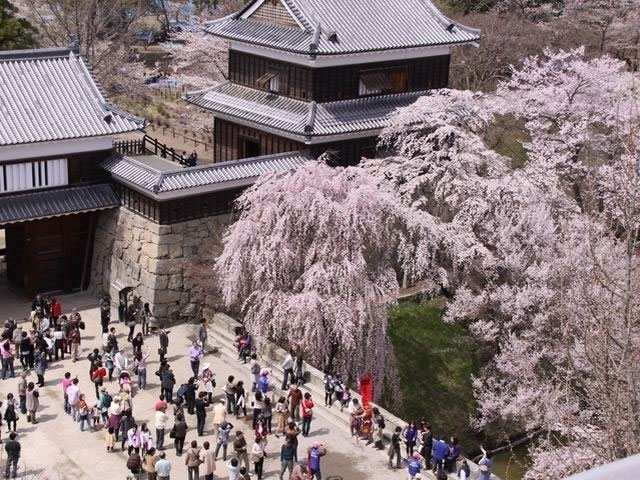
192, 161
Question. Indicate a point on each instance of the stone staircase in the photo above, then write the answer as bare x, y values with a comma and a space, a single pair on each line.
221, 335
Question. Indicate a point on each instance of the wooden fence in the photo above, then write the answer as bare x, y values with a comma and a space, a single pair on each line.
186, 135
148, 146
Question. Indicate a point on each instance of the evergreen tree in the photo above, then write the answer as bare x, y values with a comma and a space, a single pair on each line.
15, 33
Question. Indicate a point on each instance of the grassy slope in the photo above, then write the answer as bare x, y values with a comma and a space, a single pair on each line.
435, 369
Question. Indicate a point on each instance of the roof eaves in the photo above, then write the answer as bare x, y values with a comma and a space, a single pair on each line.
141, 121
241, 12
305, 18
446, 21
87, 72
320, 53
197, 93
37, 53
379, 98
120, 157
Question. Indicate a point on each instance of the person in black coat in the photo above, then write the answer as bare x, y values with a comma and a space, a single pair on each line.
167, 382
10, 416
163, 336
201, 413
126, 422
105, 312
190, 395
26, 351
13, 448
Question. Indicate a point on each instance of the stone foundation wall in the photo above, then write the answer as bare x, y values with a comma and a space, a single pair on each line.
163, 263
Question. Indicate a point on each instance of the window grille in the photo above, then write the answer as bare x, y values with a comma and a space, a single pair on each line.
31, 175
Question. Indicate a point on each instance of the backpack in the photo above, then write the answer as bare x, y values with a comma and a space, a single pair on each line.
255, 368
381, 423
133, 462
182, 390
106, 403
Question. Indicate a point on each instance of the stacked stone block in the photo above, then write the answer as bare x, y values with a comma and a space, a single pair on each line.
160, 262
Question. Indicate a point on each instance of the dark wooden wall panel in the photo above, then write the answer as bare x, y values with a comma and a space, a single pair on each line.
53, 254
86, 167
333, 83
200, 206
295, 81
347, 153
228, 138
342, 83
178, 210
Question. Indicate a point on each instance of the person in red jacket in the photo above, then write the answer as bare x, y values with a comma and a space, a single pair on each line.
97, 377
56, 310
307, 413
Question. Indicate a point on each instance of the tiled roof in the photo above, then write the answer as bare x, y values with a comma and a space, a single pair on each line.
155, 181
358, 26
307, 119
35, 205
50, 94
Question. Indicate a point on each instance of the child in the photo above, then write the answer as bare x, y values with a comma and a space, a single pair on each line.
234, 471
346, 397
95, 415
125, 382
110, 439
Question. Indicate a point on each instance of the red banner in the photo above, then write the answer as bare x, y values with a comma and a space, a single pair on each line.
366, 390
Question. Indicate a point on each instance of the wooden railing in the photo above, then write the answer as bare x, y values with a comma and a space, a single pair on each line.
148, 146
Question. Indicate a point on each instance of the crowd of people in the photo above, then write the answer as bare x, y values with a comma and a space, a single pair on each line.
249, 415
111, 368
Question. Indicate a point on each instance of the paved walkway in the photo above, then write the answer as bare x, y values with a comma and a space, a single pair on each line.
56, 449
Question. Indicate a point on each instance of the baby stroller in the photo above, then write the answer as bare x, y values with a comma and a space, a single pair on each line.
125, 381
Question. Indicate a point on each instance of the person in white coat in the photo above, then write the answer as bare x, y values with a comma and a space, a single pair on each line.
287, 366
120, 362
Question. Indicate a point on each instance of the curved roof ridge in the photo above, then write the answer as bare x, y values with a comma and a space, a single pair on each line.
118, 111
129, 170
361, 26
38, 53
446, 21
230, 163
192, 93
305, 17
376, 98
